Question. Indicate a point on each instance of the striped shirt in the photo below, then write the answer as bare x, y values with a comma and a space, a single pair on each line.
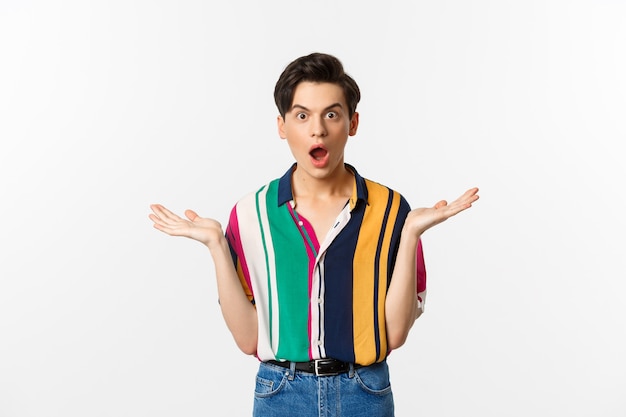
320, 299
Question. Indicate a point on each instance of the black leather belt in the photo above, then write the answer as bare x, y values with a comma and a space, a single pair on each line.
319, 367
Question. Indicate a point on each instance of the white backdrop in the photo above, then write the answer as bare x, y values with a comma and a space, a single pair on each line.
106, 107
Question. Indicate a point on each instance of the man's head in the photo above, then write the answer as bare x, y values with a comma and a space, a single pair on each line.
317, 68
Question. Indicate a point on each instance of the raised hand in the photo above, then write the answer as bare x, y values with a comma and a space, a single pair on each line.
198, 228
421, 219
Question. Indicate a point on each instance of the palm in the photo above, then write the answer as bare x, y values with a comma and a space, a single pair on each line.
202, 229
422, 219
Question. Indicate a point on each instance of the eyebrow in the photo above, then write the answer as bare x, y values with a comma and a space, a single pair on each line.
299, 106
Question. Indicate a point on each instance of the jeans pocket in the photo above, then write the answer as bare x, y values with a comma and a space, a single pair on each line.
269, 382
374, 379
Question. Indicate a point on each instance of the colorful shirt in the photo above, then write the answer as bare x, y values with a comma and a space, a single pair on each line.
320, 299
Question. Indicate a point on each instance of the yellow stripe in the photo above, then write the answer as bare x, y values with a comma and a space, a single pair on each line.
364, 263
383, 270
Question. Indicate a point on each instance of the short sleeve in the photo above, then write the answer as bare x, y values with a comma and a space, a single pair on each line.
236, 251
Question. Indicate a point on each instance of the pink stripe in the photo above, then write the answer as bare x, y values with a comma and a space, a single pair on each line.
421, 269
235, 239
311, 233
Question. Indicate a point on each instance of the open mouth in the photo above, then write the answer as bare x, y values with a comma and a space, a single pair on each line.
318, 153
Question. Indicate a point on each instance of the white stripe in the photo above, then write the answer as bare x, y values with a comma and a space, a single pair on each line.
271, 264
318, 288
252, 244
317, 316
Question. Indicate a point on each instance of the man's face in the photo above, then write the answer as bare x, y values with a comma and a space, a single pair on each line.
317, 127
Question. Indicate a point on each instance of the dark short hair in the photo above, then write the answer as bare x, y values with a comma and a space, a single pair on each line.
318, 68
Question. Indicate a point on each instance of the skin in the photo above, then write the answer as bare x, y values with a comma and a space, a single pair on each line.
239, 314
318, 118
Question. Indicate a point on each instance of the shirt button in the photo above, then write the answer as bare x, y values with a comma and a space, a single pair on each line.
300, 223
319, 301
319, 343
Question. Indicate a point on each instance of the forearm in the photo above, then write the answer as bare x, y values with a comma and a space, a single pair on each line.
401, 305
238, 312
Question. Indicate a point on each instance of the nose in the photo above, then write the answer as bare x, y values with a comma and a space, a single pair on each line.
318, 127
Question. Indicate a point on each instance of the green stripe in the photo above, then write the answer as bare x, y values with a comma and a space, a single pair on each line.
292, 266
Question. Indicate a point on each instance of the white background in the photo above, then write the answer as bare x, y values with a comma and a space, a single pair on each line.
106, 107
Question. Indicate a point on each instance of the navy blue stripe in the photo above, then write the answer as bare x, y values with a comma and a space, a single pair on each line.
339, 272
381, 237
403, 211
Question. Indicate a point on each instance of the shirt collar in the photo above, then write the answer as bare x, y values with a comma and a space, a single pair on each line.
285, 193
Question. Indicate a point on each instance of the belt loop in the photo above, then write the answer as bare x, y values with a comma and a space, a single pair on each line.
351, 371
292, 370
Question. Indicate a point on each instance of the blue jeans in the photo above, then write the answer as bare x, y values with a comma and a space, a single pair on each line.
285, 392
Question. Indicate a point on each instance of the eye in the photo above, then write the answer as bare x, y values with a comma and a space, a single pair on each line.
331, 115
300, 116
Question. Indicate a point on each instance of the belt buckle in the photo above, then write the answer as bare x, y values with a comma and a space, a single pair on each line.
318, 372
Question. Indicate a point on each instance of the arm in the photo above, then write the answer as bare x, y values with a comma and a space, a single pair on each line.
239, 314
401, 304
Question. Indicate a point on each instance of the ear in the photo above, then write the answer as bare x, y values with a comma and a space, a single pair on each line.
354, 124
280, 122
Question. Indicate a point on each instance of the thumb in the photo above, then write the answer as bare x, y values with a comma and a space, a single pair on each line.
441, 204
191, 215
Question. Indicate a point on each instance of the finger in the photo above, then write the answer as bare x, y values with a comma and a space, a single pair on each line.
441, 204
164, 224
468, 197
154, 218
464, 202
471, 196
158, 209
164, 214
172, 231
159, 224
471, 193
191, 215
155, 207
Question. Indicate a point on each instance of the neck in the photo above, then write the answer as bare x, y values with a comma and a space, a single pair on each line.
340, 183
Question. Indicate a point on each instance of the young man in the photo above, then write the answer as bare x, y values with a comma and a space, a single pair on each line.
320, 273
